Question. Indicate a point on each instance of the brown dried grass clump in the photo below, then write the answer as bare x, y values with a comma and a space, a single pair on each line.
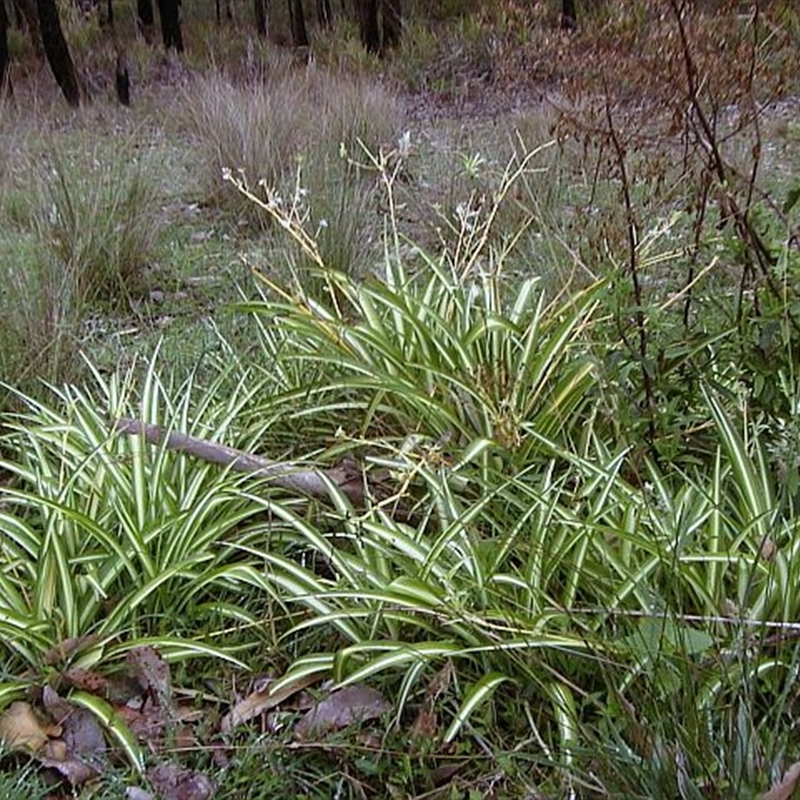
264, 128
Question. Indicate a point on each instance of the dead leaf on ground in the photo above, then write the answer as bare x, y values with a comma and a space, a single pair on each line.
21, 728
135, 793
440, 682
152, 723
172, 782
443, 775
343, 707
63, 650
81, 730
153, 674
55, 705
426, 725
80, 751
74, 770
263, 699
87, 680
788, 785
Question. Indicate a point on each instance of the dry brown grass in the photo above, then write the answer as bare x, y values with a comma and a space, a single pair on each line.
265, 127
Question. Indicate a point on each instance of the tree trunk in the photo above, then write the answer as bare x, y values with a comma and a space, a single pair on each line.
392, 23
170, 24
144, 12
145, 19
57, 52
260, 7
5, 78
324, 13
110, 13
261, 17
368, 25
298, 20
223, 7
27, 10
569, 18
122, 79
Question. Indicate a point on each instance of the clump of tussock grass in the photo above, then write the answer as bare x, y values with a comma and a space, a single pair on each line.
15, 130
339, 208
265, 128
81, 234
100, 222
39, 318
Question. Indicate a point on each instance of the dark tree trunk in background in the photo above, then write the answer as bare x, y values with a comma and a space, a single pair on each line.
367, 11
569, 18
392, 23
380, 24
228, 12
5, 79
261, 17
299, 32
110, 13
170, 24
57, 52
144, 11
27, 9
123, 80
145, 19
324, 13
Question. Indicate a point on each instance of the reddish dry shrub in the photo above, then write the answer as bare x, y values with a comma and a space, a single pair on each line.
634, 49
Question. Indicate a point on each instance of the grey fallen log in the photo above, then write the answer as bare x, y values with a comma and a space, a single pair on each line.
293, 477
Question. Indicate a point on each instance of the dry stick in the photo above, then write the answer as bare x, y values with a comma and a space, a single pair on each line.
287, 475
697, 229
757, 253
633, 271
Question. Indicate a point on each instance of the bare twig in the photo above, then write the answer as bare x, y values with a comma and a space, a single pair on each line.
633, 270
301, 479
758, 258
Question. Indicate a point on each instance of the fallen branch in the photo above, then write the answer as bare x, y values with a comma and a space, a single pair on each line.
293, 477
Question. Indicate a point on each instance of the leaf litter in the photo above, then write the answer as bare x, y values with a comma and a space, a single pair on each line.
77, 730
70, 735
341, 709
